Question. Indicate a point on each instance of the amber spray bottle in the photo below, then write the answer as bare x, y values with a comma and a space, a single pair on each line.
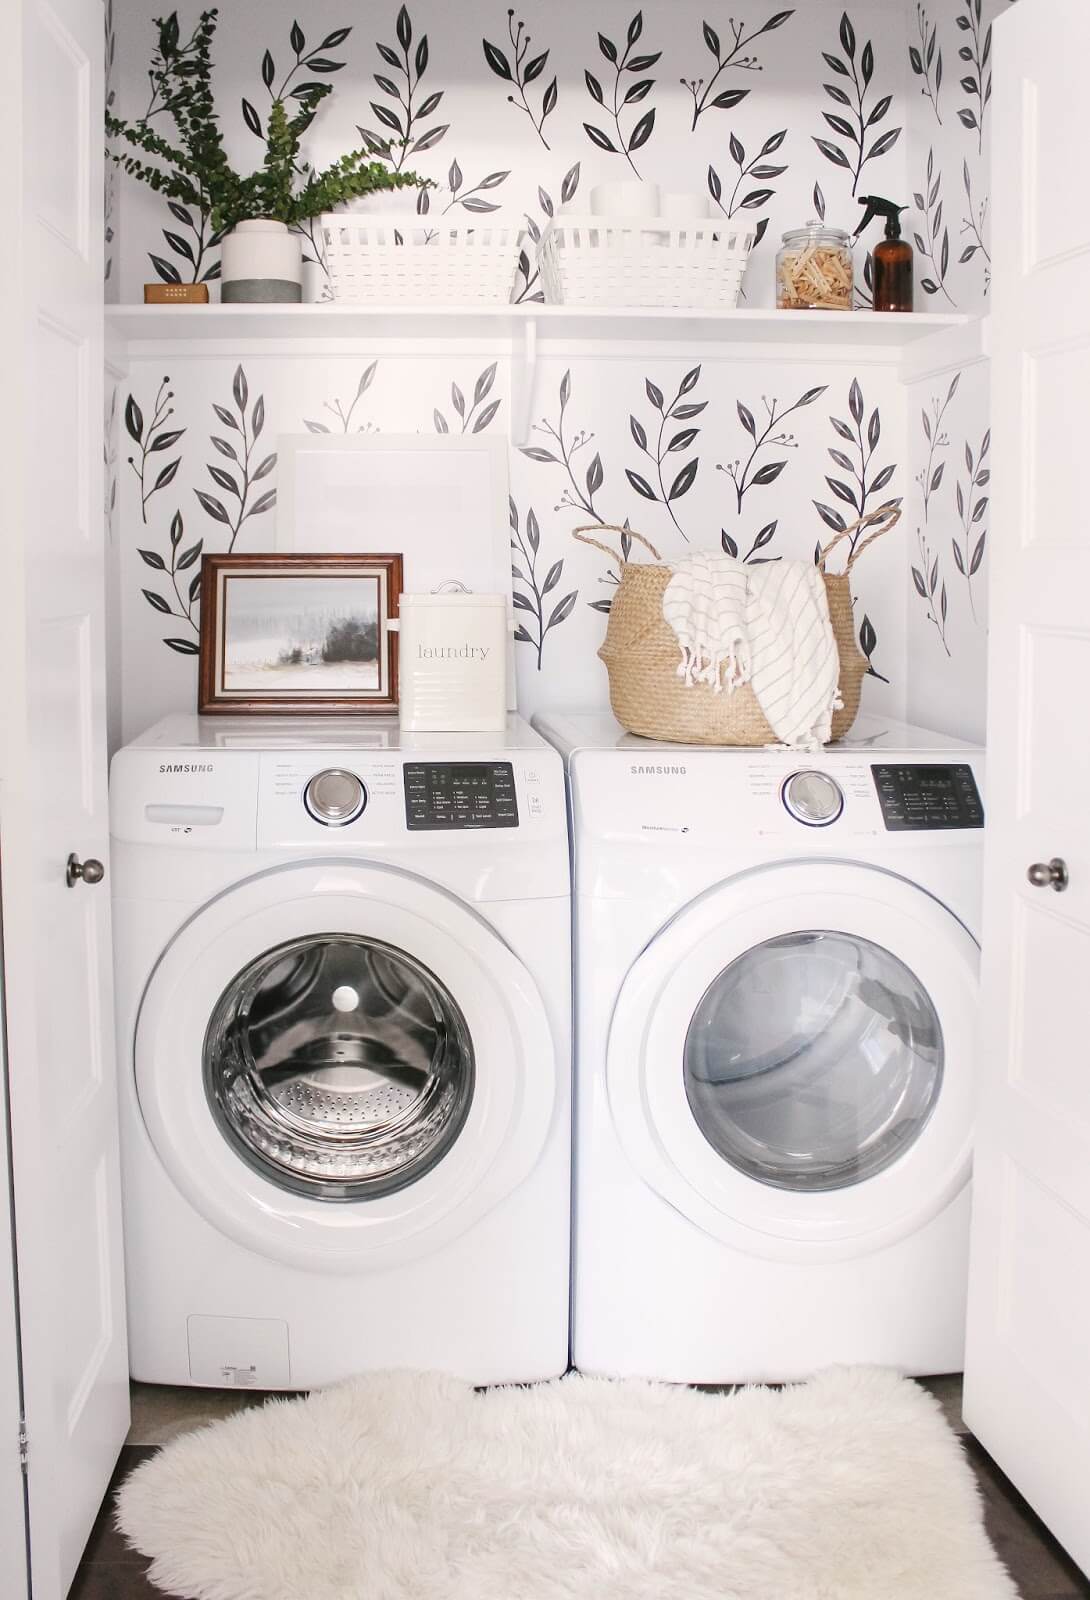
892, 258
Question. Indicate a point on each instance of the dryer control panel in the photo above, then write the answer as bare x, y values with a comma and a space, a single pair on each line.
926, 795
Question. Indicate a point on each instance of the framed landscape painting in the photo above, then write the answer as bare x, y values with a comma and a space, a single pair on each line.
293, 633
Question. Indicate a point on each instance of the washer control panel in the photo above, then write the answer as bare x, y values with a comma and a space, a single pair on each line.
335, 797
927, 796
812, 798
460, 794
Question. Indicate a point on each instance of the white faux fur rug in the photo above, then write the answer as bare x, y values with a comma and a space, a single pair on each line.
412, 1486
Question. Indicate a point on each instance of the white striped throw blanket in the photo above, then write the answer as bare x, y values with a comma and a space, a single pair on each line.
767, 626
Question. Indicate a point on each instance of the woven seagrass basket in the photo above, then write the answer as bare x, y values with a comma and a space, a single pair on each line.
641, 652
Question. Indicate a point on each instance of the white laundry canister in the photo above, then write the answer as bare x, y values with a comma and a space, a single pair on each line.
452, 662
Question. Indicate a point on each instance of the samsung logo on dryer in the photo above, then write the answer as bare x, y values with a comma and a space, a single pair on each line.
657, 771
186, 766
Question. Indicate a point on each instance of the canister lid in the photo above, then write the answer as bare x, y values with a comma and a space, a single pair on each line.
453, 601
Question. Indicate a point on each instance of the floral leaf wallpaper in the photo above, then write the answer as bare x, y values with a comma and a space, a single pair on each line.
522, 70
666, 442
925, 59
707, 92
862, 110
495, 106
747, 474
536, 615
151, 441
346, 415
238, 446
620, 93
406, 108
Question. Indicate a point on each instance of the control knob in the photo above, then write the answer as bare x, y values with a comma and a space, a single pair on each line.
335, 797
813, 798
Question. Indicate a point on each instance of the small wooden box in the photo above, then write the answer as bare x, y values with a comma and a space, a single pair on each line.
176, 294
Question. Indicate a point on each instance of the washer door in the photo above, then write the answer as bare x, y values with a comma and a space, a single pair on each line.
790, 1060
340, 1065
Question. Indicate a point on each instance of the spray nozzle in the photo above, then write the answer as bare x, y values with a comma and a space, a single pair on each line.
877, 207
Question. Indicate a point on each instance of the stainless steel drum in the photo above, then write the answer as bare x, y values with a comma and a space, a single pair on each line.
338, 1067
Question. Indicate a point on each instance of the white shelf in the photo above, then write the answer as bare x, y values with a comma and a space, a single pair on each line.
916, 344
822, 330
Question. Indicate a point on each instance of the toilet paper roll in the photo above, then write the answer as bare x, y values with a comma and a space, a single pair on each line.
684, 207
625, 199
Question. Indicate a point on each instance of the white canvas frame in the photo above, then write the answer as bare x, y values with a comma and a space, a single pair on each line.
441, 500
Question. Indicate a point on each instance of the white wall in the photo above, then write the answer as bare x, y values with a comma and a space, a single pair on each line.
485, 134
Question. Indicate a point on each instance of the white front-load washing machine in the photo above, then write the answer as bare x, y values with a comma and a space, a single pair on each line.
776, 1002
343, 977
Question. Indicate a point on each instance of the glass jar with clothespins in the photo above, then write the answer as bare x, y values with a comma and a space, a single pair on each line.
814, 269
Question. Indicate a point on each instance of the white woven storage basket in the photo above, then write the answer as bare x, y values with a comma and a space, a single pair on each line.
410, 260
600, 261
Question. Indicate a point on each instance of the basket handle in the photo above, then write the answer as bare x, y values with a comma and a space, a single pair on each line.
581, 533
887, 518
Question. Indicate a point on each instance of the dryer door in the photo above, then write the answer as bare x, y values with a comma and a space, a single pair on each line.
339, 1065
790, 1059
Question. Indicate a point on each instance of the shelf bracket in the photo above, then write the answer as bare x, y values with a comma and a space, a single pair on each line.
523, 381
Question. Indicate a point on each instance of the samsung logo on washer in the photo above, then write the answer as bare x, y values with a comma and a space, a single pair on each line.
657, 772
186, 766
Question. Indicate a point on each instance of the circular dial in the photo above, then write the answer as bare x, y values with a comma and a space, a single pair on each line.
334, 797
813, 798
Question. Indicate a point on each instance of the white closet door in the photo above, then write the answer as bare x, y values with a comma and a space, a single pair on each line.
1026, 1392
13, 1553
56, 939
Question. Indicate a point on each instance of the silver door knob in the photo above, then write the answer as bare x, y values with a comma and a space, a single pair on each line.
1049, 874
90, 871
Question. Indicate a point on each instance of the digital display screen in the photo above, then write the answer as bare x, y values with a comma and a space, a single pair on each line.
927, 796
460, 794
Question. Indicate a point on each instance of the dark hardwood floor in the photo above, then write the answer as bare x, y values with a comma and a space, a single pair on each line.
110, 1571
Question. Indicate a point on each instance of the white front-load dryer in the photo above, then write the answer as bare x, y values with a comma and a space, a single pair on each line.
776, 1003
343, 978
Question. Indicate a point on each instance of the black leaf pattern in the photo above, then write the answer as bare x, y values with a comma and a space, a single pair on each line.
933, 243
564, 448
151, 441
972, 508
667, 443
405, 117
247, 422
469, 199
622, 94
868, 643
706, 94
975, 55
522, 70
747, 474
854, 129
973, 227
175, 603
931, 588
930, 476
528, 279
925, 59
530, 598
743, 198
864, 481
475, 415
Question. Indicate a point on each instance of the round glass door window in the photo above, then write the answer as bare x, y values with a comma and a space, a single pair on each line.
813, 1061
338, 1067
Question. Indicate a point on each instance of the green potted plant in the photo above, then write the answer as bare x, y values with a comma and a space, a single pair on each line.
262, 255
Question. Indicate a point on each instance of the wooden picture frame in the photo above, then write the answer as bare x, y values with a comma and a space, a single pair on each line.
285, 634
